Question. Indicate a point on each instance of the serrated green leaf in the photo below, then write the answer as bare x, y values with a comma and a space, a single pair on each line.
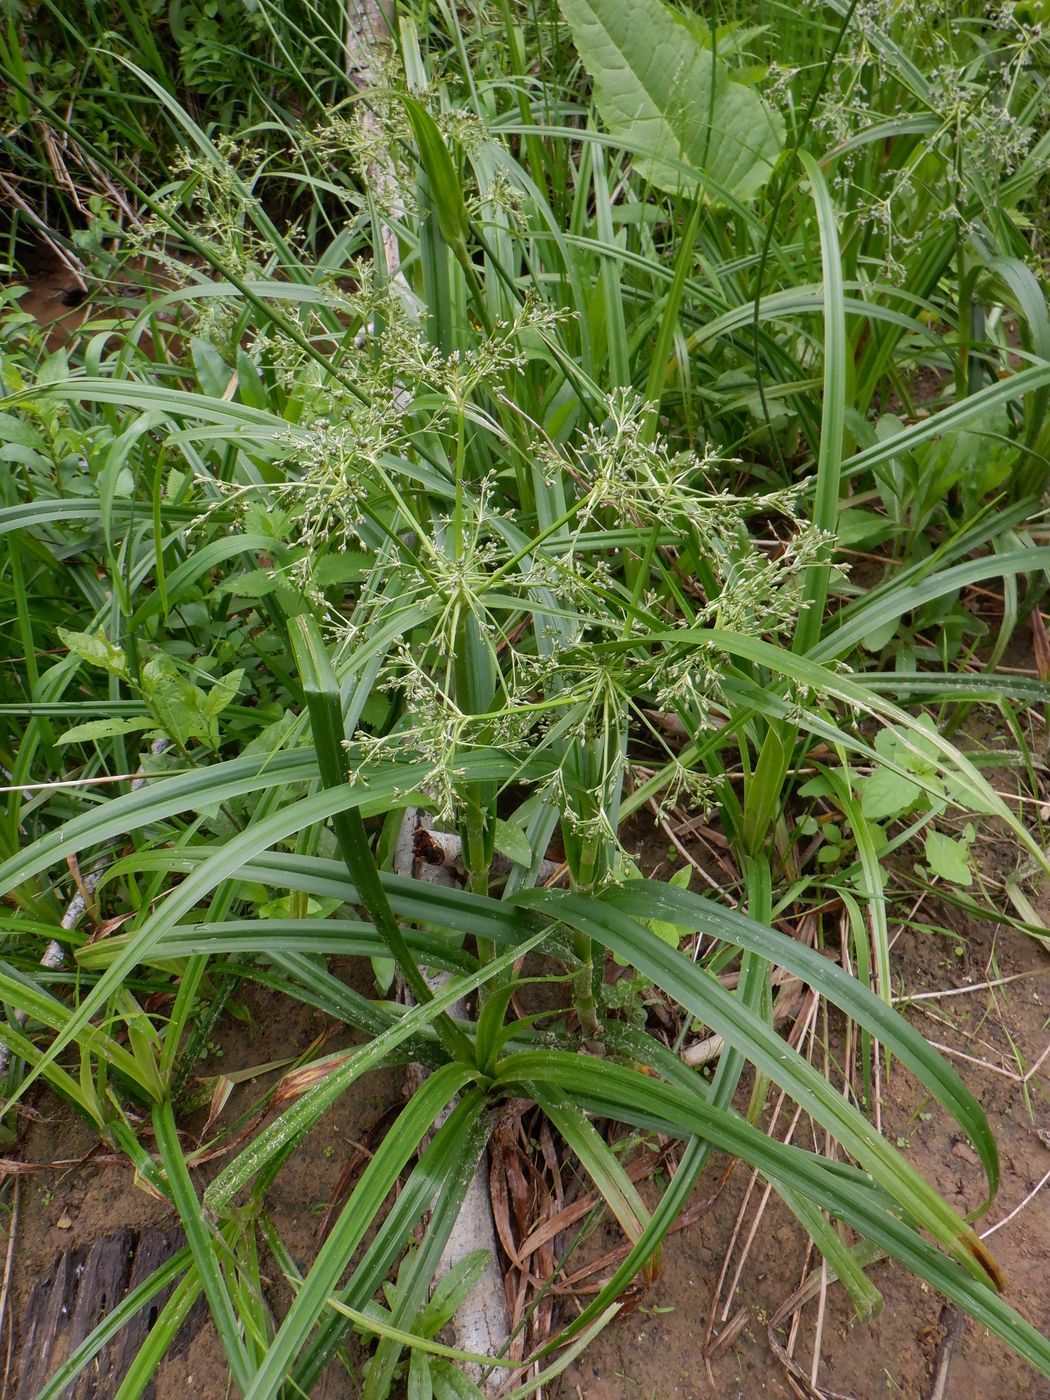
223, 693
97, 650
256, 583
176, 702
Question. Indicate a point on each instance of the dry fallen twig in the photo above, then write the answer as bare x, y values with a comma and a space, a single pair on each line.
5, 1291
482, 1324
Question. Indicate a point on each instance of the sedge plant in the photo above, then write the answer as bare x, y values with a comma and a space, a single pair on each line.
311, 540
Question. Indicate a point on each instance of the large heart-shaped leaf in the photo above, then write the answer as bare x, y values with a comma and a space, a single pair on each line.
672, 100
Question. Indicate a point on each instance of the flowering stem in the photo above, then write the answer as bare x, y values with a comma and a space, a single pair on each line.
326, 718
583, 988
474, 680
583, 997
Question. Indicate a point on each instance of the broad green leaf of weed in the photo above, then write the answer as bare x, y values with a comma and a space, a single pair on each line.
658, 89
105, 729
213, 373
672, 933
180, 706
512, 842
949, 858
15, 432
96, 649
886, 794
256, 583
222, 693
880, 637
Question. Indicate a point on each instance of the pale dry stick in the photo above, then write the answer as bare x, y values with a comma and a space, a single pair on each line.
973, 1060
1036, 1067
911, 915
812, 1284
58, 164
1018, 1208
369, 25
806, 1022
787, 1354
720, 854
818, 1331
697, 826
971, 1036
1020, 797
481, 1325
907, 998
849, 1048
822, 1295
876, 1072
12, 1231
820, 1291
946, 1354
797, 1378
760, 1211
724, 1341
831, 1152
116, 196
682, 850
82, 782
876, 1047
806, 1291
72, 265
368, 28
796, 1316
727, 1256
